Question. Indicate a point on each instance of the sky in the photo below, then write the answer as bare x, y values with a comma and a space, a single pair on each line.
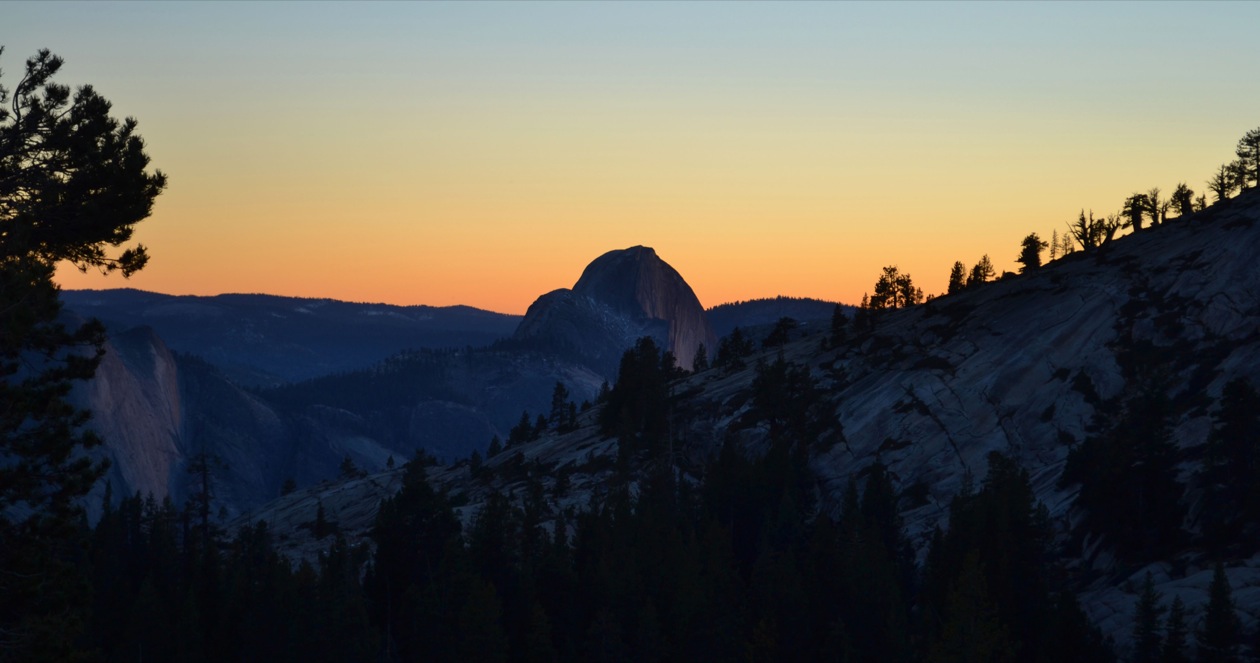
483, 153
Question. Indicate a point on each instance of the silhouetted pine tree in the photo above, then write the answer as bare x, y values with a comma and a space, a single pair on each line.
1147, 643
1220, 634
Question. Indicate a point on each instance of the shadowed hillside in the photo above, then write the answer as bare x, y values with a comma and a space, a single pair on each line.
1043, 369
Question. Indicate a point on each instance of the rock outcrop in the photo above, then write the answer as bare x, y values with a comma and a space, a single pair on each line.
621, 296
156, 410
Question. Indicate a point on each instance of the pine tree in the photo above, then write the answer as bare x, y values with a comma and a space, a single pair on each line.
1127, 474
839, 321
1182, 200
348, 469
981, 273
700, 362
972, 630
559, 406
1175, 634
1223, 182
863, 319
496, 446
1135, 211
1248, 151
1230, 473
780, 334
1030, 254
522, 432
418, 544
1218, 639
1157, 209
73, 184
957, 278
1147, 644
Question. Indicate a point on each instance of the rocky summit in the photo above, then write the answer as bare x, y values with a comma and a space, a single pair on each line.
621, 296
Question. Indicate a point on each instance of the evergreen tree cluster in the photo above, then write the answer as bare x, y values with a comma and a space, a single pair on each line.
894, 289
1130, 493
1218, 638
165, 589
733, 560
735, 566
1127, 475
732, 349
637, 408
1230, 470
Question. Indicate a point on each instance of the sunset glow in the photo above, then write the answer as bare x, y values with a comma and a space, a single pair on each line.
484, 153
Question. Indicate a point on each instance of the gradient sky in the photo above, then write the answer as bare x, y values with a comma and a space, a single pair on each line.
483, 153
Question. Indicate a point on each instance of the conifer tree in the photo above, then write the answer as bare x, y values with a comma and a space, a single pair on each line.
957, 278
73, 184
1248, 151
1147, 643
1157, 209
1135, 207
700, 362
981, 273
863, 319
780, 334
522, 432
1182, 200
1030, 253
1230, 472
1223, 182
559, 406
1219, 636
839, 321
972, 630
417, 541
1175, 634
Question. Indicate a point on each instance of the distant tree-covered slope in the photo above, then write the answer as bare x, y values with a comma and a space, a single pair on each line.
756, 312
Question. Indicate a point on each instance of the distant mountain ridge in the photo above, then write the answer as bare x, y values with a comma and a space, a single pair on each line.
264, 340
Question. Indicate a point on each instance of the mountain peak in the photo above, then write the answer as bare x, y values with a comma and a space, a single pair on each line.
621, 295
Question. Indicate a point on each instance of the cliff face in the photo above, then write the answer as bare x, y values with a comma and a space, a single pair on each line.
156, 410
621, 296
136, 409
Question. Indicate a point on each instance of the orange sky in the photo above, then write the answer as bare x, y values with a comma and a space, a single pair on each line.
483, 154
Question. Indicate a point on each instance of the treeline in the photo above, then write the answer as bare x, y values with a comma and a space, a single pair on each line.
895, 289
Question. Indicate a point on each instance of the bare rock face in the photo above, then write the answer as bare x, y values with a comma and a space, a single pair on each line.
621, 296
136, 408
156, 410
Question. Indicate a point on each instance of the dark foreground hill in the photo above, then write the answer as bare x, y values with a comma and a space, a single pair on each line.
1116, 379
